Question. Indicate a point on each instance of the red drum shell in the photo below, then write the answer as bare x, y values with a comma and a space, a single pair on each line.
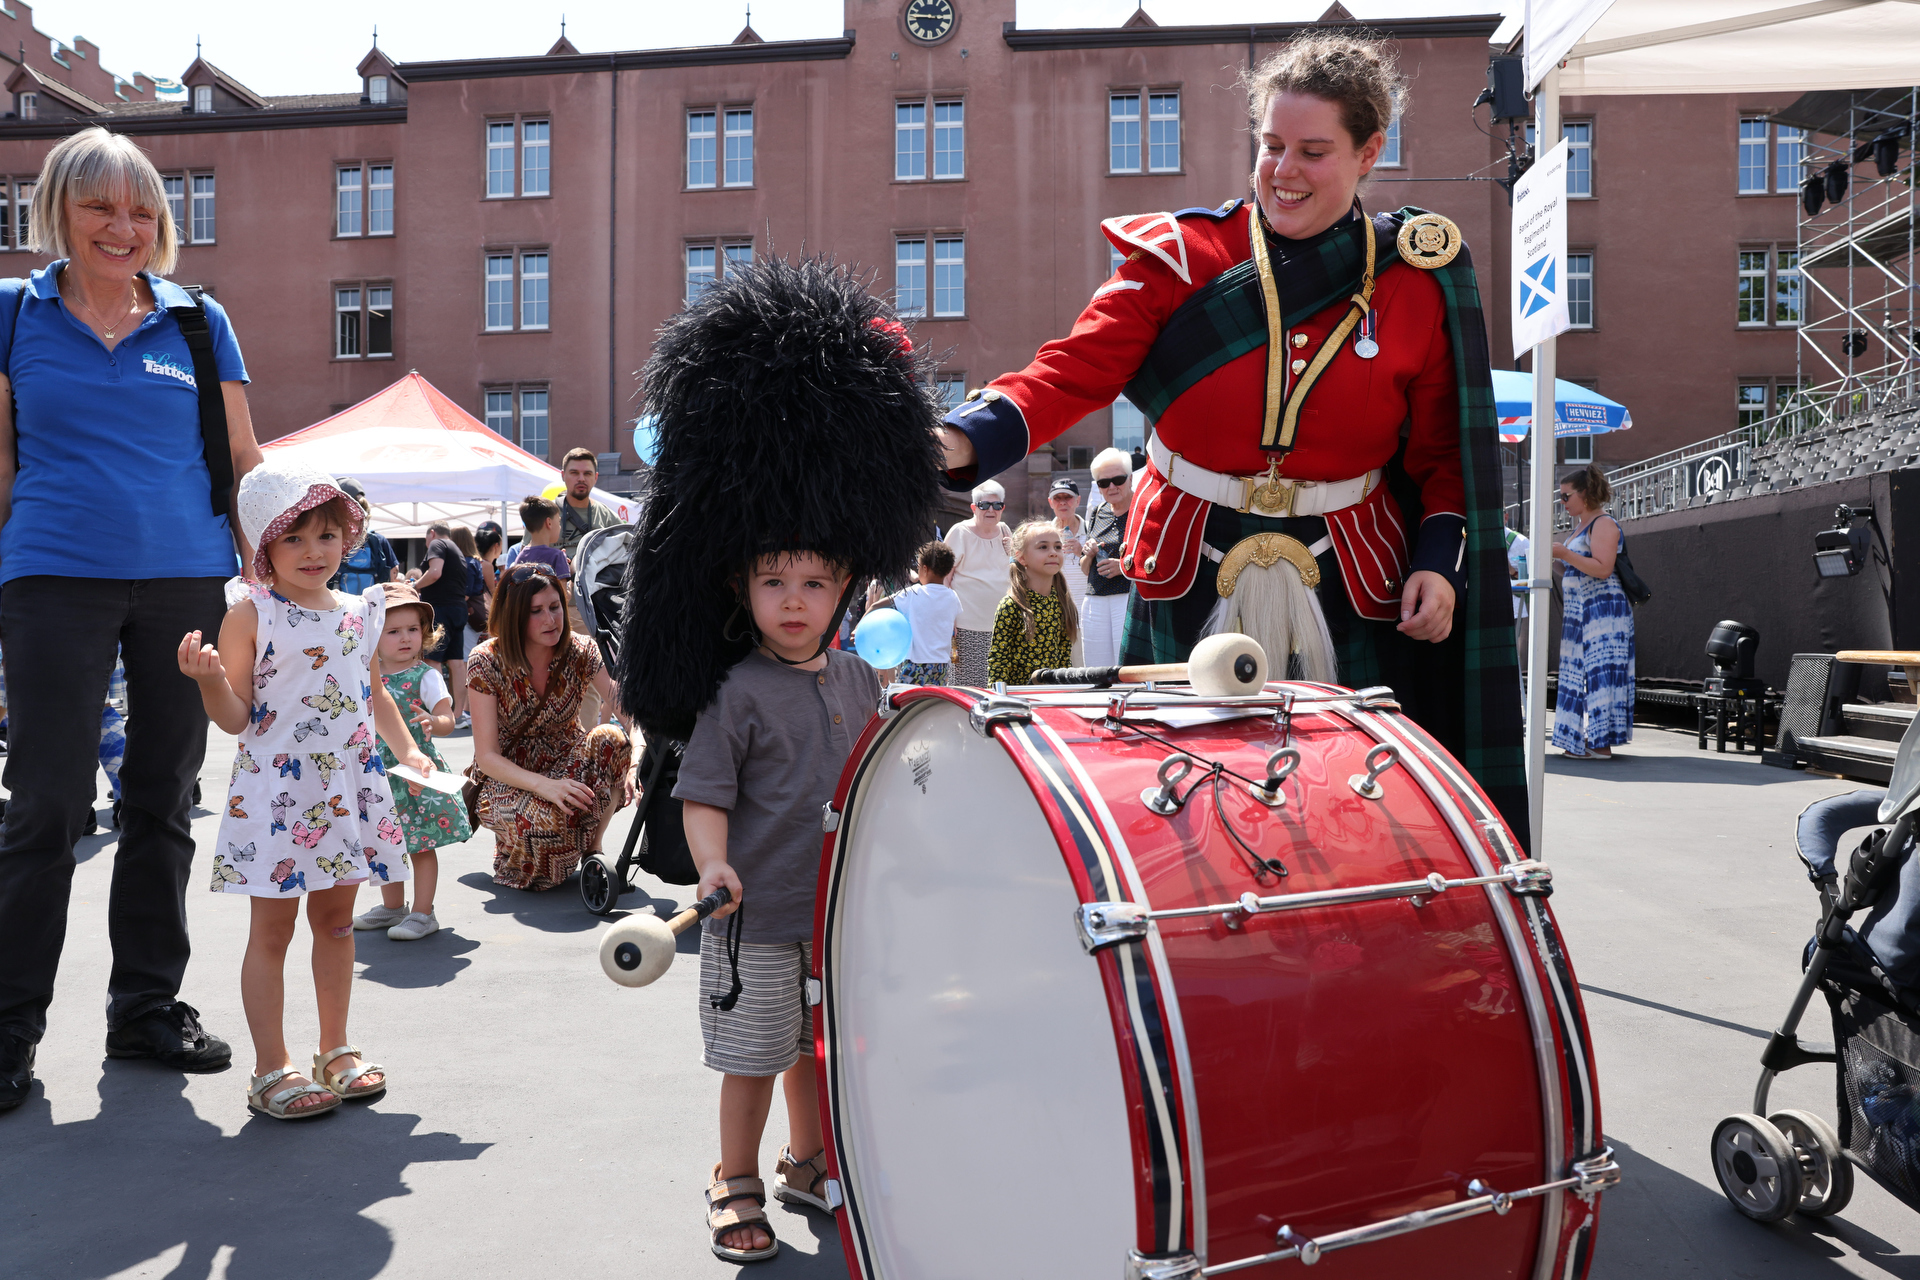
1319, 1070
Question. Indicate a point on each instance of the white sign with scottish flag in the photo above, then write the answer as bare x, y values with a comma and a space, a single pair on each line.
1540, 252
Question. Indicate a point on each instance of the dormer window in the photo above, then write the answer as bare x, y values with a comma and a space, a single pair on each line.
29, 107
376, 89
203, 99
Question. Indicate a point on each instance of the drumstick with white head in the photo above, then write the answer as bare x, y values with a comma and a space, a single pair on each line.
640, 948
1223, 666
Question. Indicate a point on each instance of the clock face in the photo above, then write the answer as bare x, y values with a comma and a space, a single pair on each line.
929, 21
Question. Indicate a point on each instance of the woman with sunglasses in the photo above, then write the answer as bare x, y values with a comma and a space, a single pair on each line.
547, 786
1103, 613
980, 553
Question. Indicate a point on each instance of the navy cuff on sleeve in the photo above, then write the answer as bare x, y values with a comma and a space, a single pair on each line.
1441, 547
999, 433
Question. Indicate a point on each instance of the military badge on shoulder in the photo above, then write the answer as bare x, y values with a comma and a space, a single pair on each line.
1429, 241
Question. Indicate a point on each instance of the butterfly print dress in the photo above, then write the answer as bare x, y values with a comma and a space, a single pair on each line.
309, 805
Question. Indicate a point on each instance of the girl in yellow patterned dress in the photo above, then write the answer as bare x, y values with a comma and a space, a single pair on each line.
1036, 622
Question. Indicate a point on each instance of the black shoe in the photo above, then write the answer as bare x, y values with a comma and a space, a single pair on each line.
172, 1035
16, 1070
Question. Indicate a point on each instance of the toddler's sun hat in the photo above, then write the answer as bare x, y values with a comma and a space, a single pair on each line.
273, 497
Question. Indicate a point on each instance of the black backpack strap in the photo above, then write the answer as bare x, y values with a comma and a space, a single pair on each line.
213, 404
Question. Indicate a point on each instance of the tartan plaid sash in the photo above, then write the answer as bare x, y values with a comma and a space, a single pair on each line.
1226, 318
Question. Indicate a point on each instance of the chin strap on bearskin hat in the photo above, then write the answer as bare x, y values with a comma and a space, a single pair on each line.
793, 417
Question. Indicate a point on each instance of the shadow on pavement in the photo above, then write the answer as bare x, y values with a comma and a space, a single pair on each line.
1660, 1220
432, 961
148, 1175
555, 910
1695, 767
1678, 1013
827, 1260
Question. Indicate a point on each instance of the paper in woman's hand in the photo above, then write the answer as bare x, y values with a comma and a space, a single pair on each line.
439, 781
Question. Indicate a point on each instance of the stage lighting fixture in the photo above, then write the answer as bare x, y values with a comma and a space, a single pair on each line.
1886, 153
1836, 182
1813, 194
1855, 343
1840, 551
1732, 645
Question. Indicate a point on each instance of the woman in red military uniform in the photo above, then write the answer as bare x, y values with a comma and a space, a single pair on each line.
1322, 471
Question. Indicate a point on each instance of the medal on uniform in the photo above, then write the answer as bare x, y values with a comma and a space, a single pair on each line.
1363, 345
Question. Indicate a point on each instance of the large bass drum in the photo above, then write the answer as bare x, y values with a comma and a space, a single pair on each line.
1162, 986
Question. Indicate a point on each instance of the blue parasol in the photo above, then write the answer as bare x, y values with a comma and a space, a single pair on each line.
1577, 411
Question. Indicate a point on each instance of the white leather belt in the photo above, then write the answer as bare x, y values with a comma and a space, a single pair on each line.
1257, 493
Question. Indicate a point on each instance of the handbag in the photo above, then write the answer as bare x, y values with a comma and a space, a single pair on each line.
477, 597
1638, 592
470, 793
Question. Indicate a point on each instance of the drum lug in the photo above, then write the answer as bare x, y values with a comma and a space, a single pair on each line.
1107, 924
1380, 759
1376, 697
834, 1196
1596, 1173
998, 709
1530, 878
813, 991
1161, 1266
888, 708
829, 817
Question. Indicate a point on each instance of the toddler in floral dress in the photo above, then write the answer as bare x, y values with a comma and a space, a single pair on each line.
295, 678
428, 818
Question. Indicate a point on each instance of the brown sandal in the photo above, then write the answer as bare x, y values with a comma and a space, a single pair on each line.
802, 1181
721, 1220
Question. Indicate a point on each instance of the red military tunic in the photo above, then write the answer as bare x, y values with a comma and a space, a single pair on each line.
1352, 420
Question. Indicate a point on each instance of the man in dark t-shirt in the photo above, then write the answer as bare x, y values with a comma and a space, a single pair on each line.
443, 584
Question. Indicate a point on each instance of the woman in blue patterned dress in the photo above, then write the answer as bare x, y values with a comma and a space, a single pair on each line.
1595, 709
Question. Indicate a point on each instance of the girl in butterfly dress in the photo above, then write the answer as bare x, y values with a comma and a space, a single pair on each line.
295, 677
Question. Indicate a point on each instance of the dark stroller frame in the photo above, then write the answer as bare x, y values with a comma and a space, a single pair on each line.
604, 879
1792, 1160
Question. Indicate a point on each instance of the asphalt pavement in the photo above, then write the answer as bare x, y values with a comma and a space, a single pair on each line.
543, 1121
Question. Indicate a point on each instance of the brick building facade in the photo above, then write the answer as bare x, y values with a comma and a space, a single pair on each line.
516, 228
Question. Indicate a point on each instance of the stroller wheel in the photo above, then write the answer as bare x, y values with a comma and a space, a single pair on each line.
1826, 1175
600, 886
1757, 1168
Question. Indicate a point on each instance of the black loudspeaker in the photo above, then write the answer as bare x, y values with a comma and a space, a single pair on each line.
1506, 81
1817, 687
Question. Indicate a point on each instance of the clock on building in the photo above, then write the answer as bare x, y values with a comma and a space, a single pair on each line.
928, 21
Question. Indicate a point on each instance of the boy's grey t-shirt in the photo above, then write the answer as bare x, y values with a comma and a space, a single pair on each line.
769, 748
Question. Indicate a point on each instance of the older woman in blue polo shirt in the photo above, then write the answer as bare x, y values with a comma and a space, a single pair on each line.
113, 540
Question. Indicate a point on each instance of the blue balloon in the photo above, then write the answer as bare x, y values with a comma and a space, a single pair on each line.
646, 439
884, 638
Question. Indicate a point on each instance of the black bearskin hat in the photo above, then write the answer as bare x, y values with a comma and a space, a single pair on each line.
793, 416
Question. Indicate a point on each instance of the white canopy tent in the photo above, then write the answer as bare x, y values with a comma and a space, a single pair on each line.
1586, 47
423, 458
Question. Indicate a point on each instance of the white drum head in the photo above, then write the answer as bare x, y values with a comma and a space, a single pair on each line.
979, 1114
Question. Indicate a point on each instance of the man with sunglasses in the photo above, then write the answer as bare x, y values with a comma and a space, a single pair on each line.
1103, 614
981, 549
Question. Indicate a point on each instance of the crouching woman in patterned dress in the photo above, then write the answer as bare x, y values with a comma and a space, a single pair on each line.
547, 787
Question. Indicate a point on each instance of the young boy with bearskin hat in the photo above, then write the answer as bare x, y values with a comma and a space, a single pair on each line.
796, 461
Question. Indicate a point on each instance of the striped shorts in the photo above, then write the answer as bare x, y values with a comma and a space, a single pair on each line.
771, 1025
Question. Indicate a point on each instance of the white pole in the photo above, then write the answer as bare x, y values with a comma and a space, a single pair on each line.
1546, 112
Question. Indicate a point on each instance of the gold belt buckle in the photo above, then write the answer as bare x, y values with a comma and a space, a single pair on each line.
1272, 498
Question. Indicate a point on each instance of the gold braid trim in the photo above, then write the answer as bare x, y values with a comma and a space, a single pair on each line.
1357, 306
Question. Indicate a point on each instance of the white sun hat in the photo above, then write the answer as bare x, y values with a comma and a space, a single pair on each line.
275, 494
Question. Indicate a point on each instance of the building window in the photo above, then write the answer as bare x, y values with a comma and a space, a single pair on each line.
1123, 132
346, 186
29, 106
1115, 260
380, 320
1752, 404
1753, 156
739, 142
1390, 153
1576, 449
499, 410
534, 138
176, 204
380, 200
909, 141
376, 89
1786, 287
346, 329
203, 99
202, 208
700, 270
499, 291
700, 149
1580, 290
1129, 426
737, 255
1163, 132
499, 159
1579, 136
1752, 304
22, 211
950, 277
1790, 153
533, 291
950, 391
533, 422
949, 140
910, 277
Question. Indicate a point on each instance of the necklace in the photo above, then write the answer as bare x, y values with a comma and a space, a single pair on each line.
133, 303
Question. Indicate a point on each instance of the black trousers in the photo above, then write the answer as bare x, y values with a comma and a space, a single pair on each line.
59, 636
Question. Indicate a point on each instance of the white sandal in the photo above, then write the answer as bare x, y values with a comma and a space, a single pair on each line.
343, 1083
277, 1105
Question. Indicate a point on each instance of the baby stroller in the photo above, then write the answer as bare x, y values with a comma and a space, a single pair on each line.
1870, 975
655, 841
